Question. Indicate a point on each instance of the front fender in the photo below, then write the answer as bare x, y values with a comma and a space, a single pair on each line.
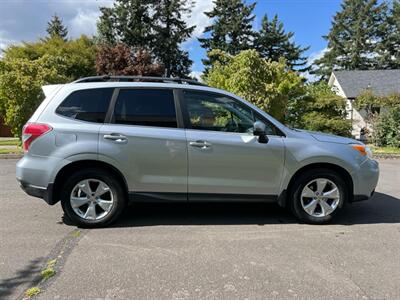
301, 153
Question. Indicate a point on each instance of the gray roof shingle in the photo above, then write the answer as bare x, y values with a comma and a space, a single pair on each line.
381, 82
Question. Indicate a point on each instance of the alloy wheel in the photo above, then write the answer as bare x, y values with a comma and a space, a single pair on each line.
92, 199
320, 197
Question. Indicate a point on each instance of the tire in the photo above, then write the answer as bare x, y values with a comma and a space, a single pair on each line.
312, 206
102, 207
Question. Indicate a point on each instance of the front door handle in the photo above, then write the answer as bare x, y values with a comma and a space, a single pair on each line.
200, 144
116, 137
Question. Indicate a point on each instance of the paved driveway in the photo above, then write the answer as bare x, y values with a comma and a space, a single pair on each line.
203, 251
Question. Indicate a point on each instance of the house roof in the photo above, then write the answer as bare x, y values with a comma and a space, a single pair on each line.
381, 82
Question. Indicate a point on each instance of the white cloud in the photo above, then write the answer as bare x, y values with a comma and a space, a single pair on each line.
316, 55
198, 18
4, 42
311, 59
197, 75
84, 23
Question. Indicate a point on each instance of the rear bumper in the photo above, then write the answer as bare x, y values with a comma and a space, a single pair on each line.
44, 193
35, 176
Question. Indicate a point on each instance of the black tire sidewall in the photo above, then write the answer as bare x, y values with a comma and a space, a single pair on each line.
116, 189
305, 178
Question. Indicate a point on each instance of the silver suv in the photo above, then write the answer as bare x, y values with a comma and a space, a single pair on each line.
98, 142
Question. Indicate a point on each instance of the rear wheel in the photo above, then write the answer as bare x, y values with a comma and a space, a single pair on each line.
92, 198
317, 196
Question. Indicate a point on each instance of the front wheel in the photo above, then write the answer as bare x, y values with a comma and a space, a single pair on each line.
318, 195
92, 198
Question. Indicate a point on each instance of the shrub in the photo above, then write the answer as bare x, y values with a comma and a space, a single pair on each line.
387, 128
320, 110
269, 85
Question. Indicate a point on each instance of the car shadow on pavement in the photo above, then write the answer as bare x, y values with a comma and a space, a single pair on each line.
30, 274
381, 208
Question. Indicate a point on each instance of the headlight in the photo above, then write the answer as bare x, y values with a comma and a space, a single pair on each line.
363, 150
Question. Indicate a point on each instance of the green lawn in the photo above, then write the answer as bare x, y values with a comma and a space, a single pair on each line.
9, 142
11, 150
384, 150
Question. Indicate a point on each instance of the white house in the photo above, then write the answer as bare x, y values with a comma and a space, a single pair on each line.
350, 84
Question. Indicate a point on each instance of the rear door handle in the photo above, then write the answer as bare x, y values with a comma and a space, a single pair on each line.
200, 144
116, 137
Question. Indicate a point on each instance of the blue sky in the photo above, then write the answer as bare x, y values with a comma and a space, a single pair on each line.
308, 19
25, 20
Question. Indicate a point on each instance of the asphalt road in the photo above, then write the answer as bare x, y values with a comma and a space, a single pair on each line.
226, 251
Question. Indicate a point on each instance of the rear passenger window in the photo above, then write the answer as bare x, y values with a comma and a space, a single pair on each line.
87, 105
146, 107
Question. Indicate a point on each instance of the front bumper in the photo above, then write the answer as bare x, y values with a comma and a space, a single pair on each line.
365, 180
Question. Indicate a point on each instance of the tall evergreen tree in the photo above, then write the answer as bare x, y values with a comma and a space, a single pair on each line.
105, 26
389, 49
55, 28
354, 36
153, 25
273, 43
170, 31
232, 29
129, 22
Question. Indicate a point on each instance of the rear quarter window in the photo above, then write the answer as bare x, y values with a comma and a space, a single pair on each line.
145, 107
87, 105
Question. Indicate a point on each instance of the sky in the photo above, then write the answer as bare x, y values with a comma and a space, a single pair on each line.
25, 20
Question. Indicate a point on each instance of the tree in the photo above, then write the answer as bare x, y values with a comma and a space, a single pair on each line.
20, 87
320, 110
370, 102
389, 48
353, 38
129, 22
25, 68
170, 32
273, 43
119, 60
156, 26
387, 128
232, 29
105, 27
269, 85
381, 114
78, 56
55, 28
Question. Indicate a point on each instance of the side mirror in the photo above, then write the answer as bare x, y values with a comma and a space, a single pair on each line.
259, 130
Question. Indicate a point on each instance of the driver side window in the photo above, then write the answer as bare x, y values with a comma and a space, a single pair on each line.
217, 113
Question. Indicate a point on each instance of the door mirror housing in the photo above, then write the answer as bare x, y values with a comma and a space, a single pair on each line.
259, 129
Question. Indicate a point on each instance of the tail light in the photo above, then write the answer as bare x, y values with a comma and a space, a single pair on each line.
31, 132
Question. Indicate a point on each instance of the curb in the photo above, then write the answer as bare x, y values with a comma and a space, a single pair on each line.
11, 156
386, 156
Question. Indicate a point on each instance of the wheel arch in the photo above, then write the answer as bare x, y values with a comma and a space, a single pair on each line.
338, 169
68, 169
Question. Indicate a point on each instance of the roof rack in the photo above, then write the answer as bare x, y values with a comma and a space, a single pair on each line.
138, 78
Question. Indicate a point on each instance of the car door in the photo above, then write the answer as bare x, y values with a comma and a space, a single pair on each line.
145, 140
225, 159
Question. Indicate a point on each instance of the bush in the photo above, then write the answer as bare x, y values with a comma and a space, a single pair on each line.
320, 110
269, 85
20, 88
25, 68
387, 128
